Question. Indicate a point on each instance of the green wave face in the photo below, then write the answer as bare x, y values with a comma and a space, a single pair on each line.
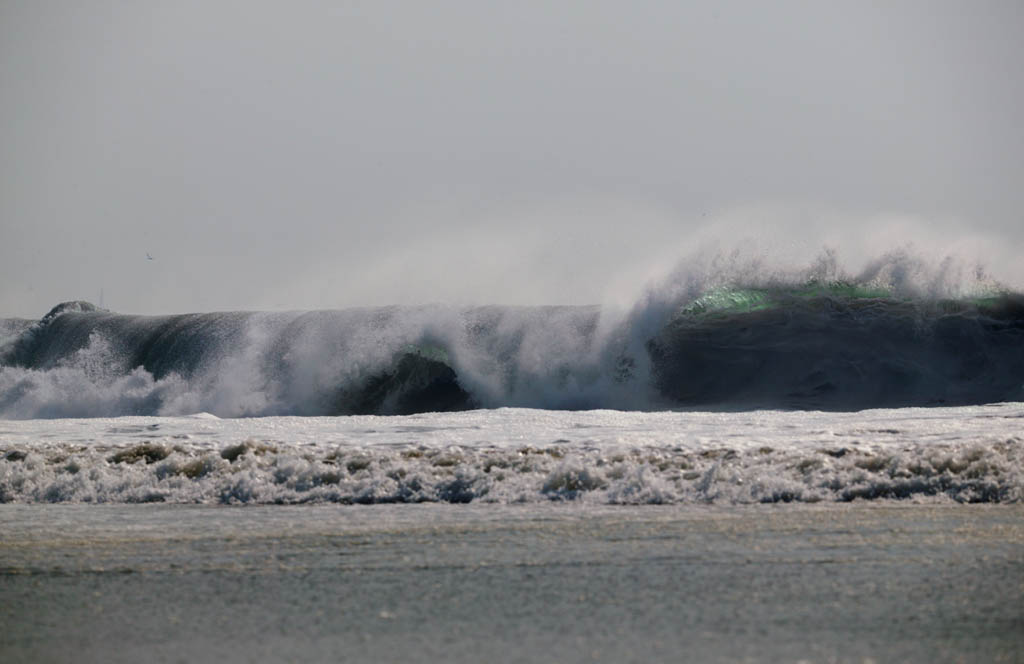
728, 300
732, 300
840, 290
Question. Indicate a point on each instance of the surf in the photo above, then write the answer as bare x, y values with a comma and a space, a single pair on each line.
724, 339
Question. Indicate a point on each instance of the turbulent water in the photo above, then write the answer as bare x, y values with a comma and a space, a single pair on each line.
725, 392
962, 454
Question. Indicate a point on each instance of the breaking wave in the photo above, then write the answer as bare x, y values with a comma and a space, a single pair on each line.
898, 334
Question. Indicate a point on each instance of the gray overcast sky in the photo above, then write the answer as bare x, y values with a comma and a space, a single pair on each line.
323, 154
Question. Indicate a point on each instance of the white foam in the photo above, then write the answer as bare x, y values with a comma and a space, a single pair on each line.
522, 455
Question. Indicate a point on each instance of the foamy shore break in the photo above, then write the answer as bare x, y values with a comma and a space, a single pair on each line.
964, 454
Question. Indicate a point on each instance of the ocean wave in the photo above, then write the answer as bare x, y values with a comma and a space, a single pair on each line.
816, 340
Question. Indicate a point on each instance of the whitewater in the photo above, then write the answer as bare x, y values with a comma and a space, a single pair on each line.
903, 381
512, 456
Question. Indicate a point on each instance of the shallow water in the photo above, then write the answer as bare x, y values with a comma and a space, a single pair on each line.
521, 583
